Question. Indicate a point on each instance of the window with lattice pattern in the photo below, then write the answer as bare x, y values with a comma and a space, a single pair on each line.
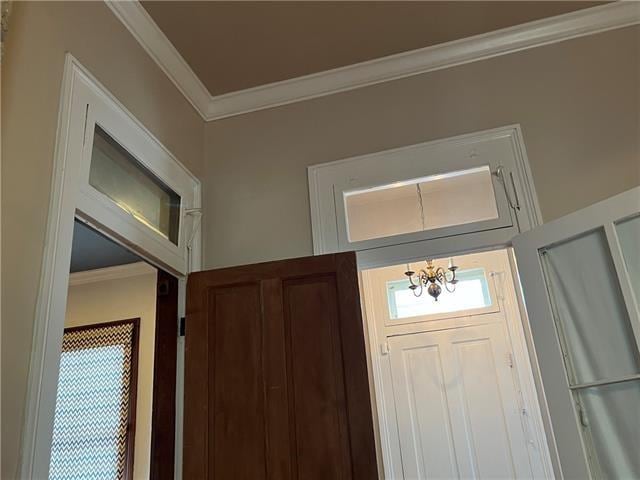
95, 405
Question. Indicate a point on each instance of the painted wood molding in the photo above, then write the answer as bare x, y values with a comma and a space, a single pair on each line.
471, 49
117, 272
133, 15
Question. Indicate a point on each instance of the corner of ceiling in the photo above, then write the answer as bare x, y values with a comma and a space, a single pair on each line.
471, 49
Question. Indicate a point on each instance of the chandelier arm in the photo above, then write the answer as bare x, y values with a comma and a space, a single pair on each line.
448, 279
430, 277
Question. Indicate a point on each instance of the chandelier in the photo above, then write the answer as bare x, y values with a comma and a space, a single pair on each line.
432, 278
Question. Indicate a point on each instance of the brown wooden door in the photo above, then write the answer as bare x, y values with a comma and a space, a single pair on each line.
276, 382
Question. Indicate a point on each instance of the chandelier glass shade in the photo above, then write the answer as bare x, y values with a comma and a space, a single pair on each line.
432, 279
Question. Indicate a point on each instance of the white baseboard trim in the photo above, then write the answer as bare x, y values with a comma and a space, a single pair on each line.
472, 49
117, 272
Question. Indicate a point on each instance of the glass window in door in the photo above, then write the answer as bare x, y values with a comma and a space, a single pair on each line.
601, 354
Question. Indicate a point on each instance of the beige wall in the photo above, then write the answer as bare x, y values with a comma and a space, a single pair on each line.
39, 35
121, 299
578, 103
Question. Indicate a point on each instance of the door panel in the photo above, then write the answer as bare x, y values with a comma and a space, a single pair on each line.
472, 427
236, 419
426, 436
276, 382
578, 282
316, 380
484, 384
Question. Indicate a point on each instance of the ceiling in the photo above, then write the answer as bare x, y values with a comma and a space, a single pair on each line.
237, 45
91, 250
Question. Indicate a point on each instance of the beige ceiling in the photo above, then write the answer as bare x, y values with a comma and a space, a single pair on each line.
236, 45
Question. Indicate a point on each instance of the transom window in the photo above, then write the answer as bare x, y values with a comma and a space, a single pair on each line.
456, 194
130, 185
420, 204
472, 292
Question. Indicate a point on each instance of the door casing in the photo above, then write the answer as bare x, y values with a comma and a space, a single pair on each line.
78, 88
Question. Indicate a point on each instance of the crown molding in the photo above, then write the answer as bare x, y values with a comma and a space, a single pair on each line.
471, 49
110, 273
145, 30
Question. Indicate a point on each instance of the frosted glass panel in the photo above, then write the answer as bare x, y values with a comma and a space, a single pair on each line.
629, 236
118, 175
421, 204
613, 421
472, 291
590, 310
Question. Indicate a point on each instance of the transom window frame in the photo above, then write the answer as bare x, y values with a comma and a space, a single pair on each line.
154, 157
377, 281
502, 149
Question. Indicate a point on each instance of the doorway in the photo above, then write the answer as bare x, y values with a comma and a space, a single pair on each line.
453, 381
115, 403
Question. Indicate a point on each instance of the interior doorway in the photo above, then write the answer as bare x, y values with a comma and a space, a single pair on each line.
454, 385
115, 403
113, 174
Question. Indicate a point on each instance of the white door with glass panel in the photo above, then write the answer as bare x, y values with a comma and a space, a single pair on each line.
581, 281
457, 406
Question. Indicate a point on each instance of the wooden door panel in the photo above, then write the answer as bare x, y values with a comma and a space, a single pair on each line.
236, 403
316, 393
277, 441
276, 383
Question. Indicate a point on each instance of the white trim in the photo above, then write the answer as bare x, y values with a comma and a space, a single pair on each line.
79, 89
133, 15
503, 144
471, 49
117, 272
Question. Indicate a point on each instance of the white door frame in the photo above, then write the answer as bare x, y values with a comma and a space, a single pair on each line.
505, 293
507, 140
79, 87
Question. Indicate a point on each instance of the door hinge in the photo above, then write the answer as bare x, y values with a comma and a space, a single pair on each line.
384, 348
182, 326
510, 360
582, 416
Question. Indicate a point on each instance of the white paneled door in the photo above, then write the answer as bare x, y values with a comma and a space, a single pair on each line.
458, 408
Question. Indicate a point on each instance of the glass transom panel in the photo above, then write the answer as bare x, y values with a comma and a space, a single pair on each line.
421, 204
130, 185
472, 292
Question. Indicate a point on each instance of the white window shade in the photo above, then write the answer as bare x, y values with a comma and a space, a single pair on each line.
427, 203
589, 309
